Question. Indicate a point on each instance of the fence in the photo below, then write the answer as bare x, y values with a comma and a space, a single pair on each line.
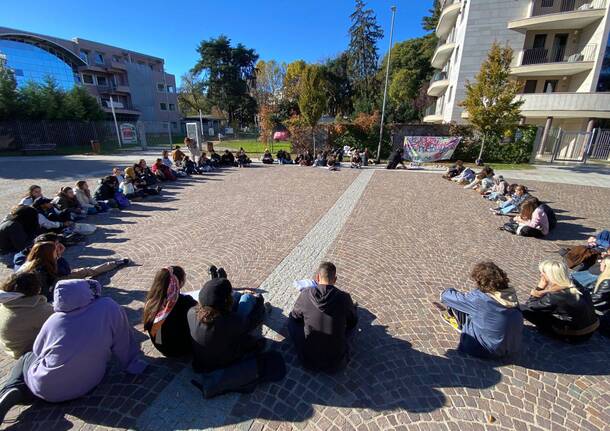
562, 146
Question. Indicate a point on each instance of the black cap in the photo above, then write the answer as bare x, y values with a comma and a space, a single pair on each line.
215, 292
41, 201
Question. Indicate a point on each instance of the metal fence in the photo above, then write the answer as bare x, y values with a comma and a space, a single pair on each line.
563, 146
600, 148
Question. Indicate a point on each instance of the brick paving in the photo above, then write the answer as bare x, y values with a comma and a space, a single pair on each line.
409, 237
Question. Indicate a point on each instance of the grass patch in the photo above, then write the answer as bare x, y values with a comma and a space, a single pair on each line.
253, 146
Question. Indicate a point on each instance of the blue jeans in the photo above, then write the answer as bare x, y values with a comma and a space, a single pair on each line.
507, 208
243, 303
584, 279
91, 210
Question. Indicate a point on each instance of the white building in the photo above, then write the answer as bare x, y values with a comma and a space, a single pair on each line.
562, 58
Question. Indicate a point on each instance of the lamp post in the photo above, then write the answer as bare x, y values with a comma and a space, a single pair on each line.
385, 90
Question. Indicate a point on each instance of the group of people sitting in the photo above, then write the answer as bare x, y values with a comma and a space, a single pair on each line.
64, 347
529, 216
330, 159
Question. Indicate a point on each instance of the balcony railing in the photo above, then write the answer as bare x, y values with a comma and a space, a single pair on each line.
546, 7
558, 55
449, 3
439, 76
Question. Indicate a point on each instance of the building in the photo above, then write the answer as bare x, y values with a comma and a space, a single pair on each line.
137, 83
562, 58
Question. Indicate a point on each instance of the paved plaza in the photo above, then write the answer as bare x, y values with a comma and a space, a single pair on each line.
398, 239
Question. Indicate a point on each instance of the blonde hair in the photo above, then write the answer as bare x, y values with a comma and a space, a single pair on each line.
556, 272
604, 275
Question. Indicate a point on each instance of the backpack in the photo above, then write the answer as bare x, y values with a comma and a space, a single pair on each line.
550, 214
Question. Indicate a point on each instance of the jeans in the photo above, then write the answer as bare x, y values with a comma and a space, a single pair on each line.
243, 303
91, 210
584, 279
507, 208
16, 378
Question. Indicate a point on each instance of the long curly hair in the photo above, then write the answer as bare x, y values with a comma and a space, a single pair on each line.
489, 277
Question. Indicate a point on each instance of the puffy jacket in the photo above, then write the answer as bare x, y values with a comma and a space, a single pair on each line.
601, 302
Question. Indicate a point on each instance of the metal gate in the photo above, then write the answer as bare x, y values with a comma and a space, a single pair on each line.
600, 149
572, 146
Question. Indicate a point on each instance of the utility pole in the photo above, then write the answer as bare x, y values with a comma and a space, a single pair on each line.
385, 90
116, 125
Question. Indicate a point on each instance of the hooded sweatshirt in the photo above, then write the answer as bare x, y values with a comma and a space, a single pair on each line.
327, 315
76, 343
495, 324
21, 318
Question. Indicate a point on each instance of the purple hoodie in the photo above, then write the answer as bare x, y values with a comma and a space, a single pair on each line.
75, 344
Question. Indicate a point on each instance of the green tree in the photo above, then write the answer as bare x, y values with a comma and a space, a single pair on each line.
312, 97
339, 88
294, 71
80, 105
228, 74
10, 102
490, 99
363, 56
430, 22
191, 95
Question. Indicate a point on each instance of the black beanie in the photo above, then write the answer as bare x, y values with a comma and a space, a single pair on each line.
215, 292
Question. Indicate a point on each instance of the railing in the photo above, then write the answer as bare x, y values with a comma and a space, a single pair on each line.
547, 7
439, 76
558, 55
448, 3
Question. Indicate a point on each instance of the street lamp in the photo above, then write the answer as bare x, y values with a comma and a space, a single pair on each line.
385, 90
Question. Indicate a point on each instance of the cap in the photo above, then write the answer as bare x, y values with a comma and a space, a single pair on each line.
215, 292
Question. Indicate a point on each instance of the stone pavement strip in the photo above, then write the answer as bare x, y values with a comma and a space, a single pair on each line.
398, 240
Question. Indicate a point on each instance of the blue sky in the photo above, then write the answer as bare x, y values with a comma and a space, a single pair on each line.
283, 30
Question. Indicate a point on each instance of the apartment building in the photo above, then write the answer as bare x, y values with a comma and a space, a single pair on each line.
137, 83
561, 57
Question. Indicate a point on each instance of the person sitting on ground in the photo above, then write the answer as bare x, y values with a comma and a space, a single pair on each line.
306, 159
221, 325
118, 174
466, 177
582, 257
66, 201
499, 189
455, 170
49, 219
488, 317
558, 308
320, 322
86, 201
189, 167
205, 164
106, 191
601, 297
163, 172
396, 159
63, 267
33, 193
512, 204
227, 159
178, 156
283, 157
333, 164
23, 311
483, 180
216, 159
147, 174
18, 230
267, 157
532, 221
42, 261
73, 349
321, 160
140, 188
166, 160
165, 313
242, 159
366, 155
356, 161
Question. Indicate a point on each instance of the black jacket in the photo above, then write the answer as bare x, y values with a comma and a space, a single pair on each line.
566, 311
13, 237
327, 314
104, 192
601, 302
226, 340
174, 333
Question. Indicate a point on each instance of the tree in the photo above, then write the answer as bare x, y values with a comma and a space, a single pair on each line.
227, 74
9, 96
312, 100
339, 88
294, 71
269, 81
430, 22
363, 57
191, 95
490, 100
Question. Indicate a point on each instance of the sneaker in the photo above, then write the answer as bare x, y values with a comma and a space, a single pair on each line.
268, 307
9, 399
124, 262
213, 272
222, 273
452, 321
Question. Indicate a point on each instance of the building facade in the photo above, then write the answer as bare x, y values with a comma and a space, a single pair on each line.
136, 83
561, 58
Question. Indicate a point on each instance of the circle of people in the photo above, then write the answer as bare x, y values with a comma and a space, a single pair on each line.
55, 321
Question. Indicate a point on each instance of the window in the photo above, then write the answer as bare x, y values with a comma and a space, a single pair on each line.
449, 94
102, 81
530, 86
161, 88
172, 107
87, 79
171, 89
550, 86
84, 55
547, 3
116, 59
163, 106
99, 58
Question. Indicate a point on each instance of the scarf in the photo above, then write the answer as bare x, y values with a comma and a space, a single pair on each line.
173, 292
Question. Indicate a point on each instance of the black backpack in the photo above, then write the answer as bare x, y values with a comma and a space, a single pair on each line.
550, 215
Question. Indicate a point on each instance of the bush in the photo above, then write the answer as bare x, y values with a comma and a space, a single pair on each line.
518, 150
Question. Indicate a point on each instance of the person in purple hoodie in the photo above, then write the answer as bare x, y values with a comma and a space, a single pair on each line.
73, 348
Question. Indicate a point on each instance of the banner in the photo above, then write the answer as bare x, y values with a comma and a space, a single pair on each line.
129, 134
423, 149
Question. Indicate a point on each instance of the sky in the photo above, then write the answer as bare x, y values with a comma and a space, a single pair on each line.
283, 30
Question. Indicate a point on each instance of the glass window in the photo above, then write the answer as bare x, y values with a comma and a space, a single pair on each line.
101, 80
160, 87
87, 79
99, 58
116, 58
172, 107
530, 86
84, 55
163, 106
171, 89
603, 83
35, 64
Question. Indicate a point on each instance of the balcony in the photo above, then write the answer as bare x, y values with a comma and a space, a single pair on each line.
558, 61
443, 51
432, 116
448, 18
563, 14
117, 65
565, 105
438, 84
